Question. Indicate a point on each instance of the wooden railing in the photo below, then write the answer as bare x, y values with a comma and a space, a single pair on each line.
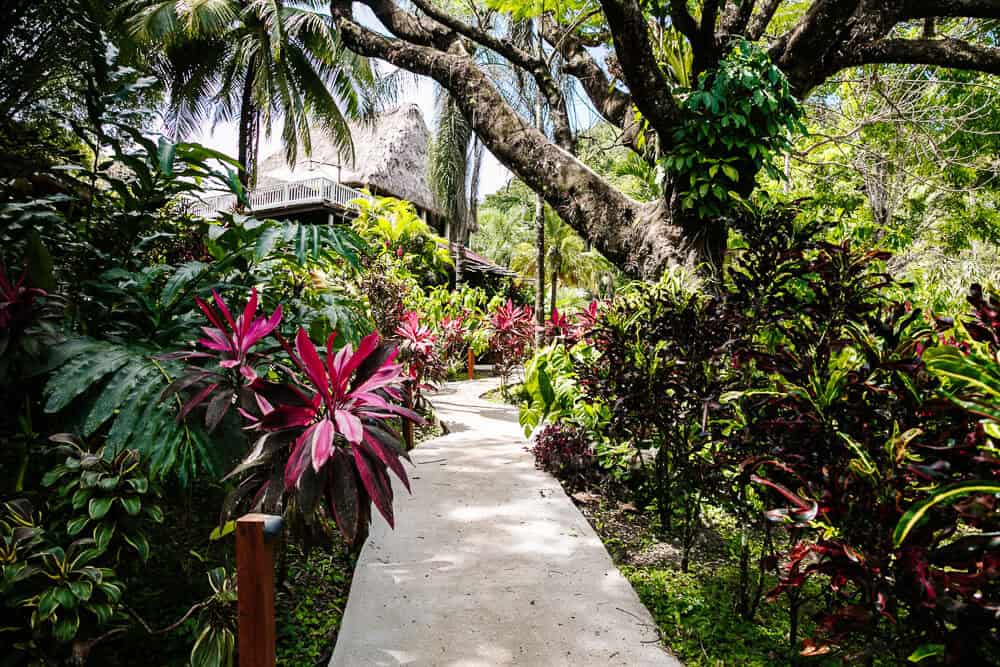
283, 195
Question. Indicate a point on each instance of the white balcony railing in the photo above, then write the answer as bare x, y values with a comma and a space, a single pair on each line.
284, 195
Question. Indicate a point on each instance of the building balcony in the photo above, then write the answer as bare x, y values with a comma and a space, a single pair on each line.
318, 193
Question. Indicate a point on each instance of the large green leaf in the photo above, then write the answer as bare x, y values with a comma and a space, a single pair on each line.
266, 241
183, 276
545, 389
82, 373
98, 507
140, 543
117, 391
950, 493
39, 262
213, 648
66, 627
166, 151
972, 380
926, 651
131, 415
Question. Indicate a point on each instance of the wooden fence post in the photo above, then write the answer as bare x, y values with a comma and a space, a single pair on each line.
407, 424
255, 537
471, 363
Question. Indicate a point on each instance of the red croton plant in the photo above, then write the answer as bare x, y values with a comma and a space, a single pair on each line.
421, 356
511, 329
16, 300
324, 420
572, 331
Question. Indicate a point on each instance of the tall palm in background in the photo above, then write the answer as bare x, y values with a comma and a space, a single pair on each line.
568, 261
501, 233
456, 159
256, 62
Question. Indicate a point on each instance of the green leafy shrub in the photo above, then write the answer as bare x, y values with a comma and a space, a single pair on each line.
54, 592
216, 642
550, 392
740, 115
104, 496
394, 229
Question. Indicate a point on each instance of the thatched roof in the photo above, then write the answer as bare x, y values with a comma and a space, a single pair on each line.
390, 157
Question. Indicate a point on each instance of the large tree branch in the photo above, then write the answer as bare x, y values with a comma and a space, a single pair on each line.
405, 25
609, 101
646, 83
621, 228
823, 36
762, 19
709, 14
941, 52
737, 16
978, 9
683, 22
502, 46
537, 67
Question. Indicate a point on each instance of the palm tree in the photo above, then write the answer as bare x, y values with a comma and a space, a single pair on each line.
567, 259
456, 158
256, 61
500, 233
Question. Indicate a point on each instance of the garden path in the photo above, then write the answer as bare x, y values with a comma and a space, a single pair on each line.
490, 562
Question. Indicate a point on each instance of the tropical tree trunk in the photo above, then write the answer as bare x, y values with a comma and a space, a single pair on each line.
539, 223
248, 132
539, 268
555, 284
459, 263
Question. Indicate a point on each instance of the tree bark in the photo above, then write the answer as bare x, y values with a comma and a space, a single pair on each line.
539, 270
555, 285
539, 220
248, 135
642, 238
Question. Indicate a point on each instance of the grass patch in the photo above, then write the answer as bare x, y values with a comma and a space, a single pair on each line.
698, 621
696, 611
310, 604
496, 396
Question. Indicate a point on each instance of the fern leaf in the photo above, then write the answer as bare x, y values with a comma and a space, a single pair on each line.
183, 276
81, 373
118, 389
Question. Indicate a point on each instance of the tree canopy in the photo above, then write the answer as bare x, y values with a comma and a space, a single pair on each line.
706, 92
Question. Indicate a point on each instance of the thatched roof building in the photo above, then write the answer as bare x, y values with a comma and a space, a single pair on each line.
390, 158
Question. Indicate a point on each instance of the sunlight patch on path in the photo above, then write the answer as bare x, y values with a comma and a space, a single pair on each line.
490, 562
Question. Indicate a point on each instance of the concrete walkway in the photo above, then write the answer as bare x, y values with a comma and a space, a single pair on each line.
490, 562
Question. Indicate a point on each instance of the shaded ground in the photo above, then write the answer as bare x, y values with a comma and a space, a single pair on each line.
490, 562
695, 610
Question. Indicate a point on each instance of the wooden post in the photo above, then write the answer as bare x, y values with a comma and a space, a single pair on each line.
471, 363
255, 537
407, 424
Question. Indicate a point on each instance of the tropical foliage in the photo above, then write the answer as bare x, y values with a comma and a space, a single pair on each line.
134, 386
255, 63
393, 227
804, 399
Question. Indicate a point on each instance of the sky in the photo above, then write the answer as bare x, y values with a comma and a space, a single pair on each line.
420, 92
417, 90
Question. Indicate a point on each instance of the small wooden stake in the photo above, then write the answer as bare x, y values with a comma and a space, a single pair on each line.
255, 536
471, 364
407, 424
